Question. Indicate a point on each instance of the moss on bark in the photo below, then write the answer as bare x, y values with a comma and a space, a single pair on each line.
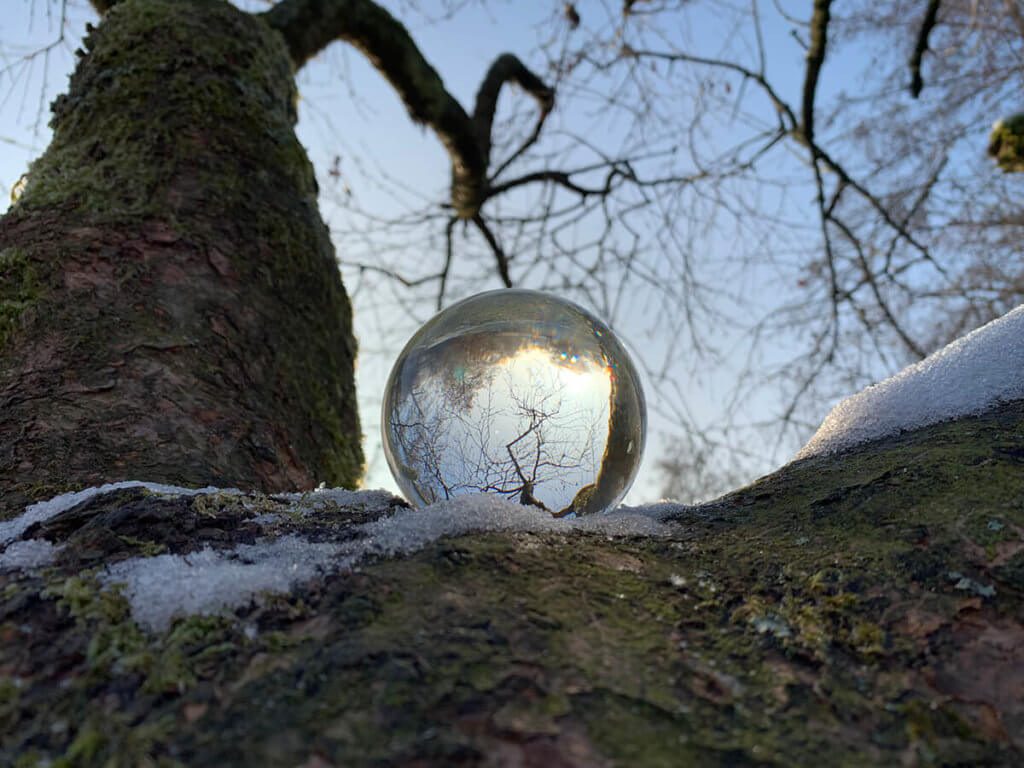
1006, 144
866, 606
170, 304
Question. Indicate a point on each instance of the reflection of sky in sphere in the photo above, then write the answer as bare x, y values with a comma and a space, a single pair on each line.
515, 393
532, 417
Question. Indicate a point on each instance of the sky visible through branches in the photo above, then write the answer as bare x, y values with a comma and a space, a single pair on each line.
716, 288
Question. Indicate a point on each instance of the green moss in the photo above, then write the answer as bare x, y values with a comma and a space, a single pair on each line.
143, 547
133, 115
114, 742
116, 645
19, 289
170, 662
726, 643
190, 651
1006, 143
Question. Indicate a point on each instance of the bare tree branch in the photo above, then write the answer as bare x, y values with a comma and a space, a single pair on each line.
1013, 8
931, 15
507, 68
309, 26
815, 60
499, 254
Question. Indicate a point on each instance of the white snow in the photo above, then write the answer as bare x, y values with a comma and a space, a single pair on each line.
44, 510
969, 376
209, 582
33, 553
409, 529
322, 498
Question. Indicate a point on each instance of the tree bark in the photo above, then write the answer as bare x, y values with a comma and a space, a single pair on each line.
868, 607
170, 304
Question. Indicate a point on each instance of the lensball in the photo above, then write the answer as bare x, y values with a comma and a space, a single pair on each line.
516, 393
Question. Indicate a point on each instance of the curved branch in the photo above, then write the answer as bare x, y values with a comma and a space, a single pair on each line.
506, 68
927, 25
309, 26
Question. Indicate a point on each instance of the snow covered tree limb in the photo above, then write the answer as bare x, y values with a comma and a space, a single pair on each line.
309, 26
866, 605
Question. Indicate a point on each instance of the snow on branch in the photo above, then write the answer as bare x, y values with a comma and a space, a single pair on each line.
969, 376
163, 587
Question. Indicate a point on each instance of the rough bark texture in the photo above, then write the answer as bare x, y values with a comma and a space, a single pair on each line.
860, 609
170, 306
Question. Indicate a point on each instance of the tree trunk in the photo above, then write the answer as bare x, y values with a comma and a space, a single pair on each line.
170, 306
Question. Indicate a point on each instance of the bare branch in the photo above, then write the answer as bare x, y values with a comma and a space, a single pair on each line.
931, 15
449, 255
499, 254
815, 60
309, 26
562, 178
506, 68
780, 105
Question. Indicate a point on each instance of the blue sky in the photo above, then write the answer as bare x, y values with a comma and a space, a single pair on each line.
348, 111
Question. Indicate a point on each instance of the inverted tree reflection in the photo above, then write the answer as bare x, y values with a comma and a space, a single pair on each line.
530, 424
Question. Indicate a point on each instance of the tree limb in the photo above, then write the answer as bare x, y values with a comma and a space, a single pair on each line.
931, 15
499, 255
506, 68
102, 6
815, 60
309, 26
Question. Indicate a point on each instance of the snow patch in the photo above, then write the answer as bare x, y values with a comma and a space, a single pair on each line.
44, 510
33, 553
209, 582
409, 530
969, 376
322, 498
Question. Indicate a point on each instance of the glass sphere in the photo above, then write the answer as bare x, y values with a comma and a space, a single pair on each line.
517, 393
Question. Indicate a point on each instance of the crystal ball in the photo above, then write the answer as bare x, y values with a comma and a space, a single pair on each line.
517, 393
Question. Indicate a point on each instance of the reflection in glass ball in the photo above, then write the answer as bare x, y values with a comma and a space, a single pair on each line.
517, 393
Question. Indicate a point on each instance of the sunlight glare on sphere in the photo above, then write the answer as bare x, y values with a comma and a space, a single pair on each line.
517, 393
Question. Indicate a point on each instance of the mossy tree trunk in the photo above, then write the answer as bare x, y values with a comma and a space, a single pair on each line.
172, 309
